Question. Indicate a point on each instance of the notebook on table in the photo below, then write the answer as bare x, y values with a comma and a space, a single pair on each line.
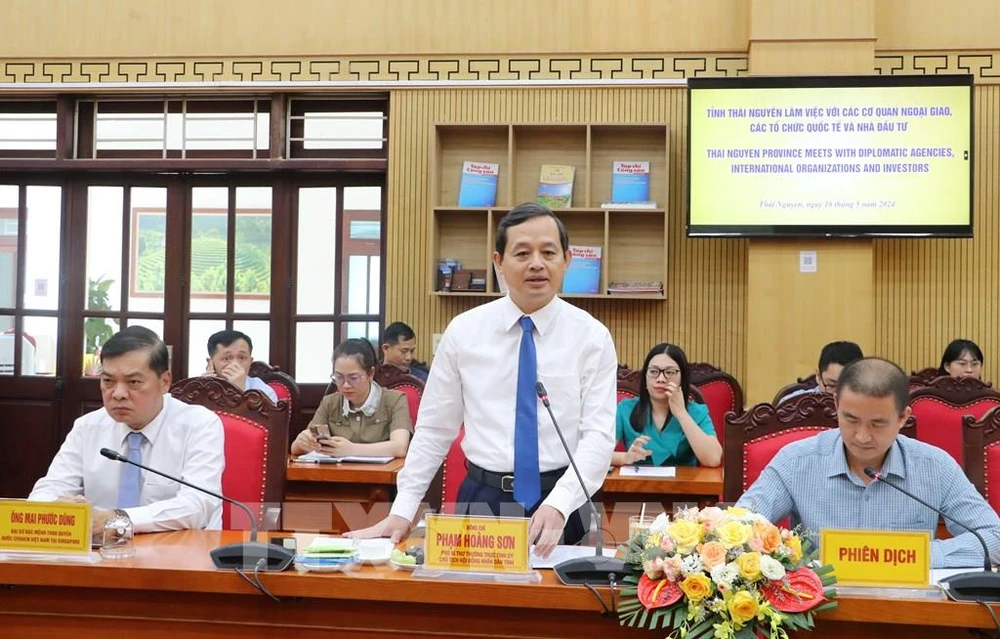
323, 458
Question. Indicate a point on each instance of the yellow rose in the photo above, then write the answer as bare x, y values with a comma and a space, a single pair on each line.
742, 607
696, 587
686, 534
712, 554
749, 564
736, 511
794, 545
732, 534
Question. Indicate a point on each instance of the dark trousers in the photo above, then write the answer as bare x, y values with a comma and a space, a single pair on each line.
477, 499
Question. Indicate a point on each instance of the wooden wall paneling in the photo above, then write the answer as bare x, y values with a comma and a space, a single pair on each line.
929, 292
95, 28
29, 431
706, 278
923, 25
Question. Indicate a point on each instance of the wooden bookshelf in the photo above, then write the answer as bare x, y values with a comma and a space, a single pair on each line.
633, 242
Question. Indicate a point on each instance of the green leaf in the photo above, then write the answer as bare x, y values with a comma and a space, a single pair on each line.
642, 618
830, 605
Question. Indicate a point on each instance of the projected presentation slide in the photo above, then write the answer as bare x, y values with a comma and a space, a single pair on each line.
878, 159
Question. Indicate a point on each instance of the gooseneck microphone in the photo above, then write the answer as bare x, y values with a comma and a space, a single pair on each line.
966, 586
246, 555
584, 570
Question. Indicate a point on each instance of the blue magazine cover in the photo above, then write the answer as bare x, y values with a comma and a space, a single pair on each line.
479, 184
630, 182
583, 277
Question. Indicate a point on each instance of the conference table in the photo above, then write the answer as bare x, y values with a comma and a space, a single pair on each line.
626, 495
335, 498
170, 589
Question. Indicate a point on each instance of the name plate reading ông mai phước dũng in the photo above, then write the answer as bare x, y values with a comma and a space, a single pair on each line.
459, 543
900, 559
49, 527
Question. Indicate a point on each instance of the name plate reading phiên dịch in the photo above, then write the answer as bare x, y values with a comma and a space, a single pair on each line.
45, 527
900, 559
476, 544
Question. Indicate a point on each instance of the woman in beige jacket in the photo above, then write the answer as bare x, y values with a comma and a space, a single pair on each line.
361, 417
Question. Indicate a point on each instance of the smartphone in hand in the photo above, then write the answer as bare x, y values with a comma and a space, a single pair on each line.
320, 431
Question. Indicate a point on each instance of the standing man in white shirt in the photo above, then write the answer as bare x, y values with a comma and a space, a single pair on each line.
144, 423
484, 376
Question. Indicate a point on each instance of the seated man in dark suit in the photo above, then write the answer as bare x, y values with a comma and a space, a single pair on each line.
399, 348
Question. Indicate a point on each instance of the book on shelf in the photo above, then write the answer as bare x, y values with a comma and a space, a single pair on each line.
629, 186
627, 287
479, 184
555, 186
583, 275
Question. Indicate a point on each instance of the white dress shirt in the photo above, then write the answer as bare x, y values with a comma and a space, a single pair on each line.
182, 440
256, 383
474, 381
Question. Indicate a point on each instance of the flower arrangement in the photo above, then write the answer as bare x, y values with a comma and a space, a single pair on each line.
727, 574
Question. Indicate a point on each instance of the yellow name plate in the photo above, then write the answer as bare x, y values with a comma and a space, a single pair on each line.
45, 526
476, 544
878, 558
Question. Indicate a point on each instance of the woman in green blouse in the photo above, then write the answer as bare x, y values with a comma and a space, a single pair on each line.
361, 418
662, 427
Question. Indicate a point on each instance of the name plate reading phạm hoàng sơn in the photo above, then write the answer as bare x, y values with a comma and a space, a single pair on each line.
476, 544
878, 558
45, 526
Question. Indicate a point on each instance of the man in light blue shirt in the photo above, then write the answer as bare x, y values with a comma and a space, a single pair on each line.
820, 482
230, 354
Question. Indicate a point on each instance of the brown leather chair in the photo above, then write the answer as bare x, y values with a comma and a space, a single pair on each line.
940, 405
981, 441
803, 383
756, 436
923, 377
256, 445
722, 394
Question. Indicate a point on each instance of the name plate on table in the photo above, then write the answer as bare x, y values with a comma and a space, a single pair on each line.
459, 543
878, 558
45, 527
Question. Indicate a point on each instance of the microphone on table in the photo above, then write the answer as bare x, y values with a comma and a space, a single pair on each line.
582, 570
247, 554
966, 586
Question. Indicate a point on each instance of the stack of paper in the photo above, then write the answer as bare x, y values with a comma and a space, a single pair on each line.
330, 551
323, 458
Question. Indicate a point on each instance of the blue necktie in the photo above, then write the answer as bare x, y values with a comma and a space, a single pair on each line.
527, 480
131, 486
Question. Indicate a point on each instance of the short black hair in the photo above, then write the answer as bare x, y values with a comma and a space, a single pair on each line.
225, 338
842, 353
138, 338
521, 214
397, 332
359, 348
955, 350
876, 377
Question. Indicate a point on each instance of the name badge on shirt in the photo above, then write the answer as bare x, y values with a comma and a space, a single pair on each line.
476, 544
45, 527
878, 557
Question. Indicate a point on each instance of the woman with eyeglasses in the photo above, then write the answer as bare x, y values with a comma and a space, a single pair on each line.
661, 426
361, 418
962, 358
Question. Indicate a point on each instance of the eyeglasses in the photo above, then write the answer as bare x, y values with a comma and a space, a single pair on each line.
668, 373
352, 380
968, 363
